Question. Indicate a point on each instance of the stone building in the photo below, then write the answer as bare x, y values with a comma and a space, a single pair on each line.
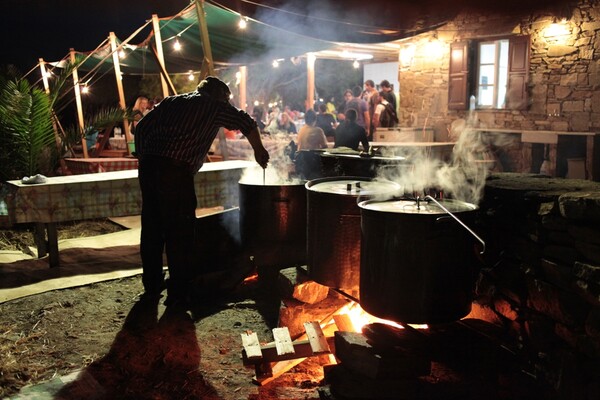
549, 60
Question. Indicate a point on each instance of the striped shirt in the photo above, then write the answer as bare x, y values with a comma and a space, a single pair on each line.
183, 127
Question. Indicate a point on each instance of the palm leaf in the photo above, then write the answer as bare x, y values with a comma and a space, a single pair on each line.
26, 132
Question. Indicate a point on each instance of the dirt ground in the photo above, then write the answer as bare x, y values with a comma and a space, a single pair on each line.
130, 348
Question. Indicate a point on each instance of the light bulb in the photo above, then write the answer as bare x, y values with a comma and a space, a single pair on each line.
356, 64
242, 24
190, 76
275, 63
176, 45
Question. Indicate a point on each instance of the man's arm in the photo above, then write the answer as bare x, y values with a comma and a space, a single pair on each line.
260, 153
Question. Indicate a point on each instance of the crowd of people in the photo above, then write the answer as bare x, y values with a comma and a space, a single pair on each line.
349, 124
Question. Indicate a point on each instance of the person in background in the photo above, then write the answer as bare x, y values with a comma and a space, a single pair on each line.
350, 134
378, 109
138, 111
368, 95
171, 143
257, 114
311, 137
272, 121
388, 93
326, 121
286, 124
354, 101
331, 109
369, 90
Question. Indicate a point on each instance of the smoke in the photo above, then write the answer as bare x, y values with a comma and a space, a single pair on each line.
463, 176
280, 169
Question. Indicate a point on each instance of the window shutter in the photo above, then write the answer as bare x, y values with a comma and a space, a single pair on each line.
459, 76
518, 73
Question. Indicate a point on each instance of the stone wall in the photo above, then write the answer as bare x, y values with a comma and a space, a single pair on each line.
541, 279
564, 79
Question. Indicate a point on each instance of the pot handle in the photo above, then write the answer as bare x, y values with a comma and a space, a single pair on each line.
459, 221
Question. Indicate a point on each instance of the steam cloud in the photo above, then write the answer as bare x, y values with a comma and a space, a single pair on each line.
463, 177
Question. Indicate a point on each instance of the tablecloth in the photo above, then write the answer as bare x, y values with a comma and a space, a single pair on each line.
93, 165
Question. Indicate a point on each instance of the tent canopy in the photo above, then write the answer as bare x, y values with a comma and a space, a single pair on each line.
230, 45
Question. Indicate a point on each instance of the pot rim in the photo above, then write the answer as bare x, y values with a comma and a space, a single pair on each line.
391, 186
454, 206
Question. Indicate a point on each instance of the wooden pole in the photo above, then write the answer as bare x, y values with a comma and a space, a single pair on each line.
117, 66
57, 137
78, 104
159, 53
207, 63
44, 75
310, 80
243, 79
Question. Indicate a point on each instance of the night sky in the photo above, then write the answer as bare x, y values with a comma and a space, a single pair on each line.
49, 28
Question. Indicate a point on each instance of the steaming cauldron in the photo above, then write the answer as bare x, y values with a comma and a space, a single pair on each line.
333, 227
273, 223
417, 261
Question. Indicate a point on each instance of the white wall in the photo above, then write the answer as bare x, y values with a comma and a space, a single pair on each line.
380, 71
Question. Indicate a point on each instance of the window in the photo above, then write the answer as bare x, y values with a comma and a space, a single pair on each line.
493, 74
495, 71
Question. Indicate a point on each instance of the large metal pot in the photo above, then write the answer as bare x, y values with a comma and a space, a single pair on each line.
333, 227
273, 223
417, 260
344, 164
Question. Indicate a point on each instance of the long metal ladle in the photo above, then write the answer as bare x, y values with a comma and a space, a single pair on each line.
459, 221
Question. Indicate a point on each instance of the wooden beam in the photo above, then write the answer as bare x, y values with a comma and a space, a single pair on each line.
310, 80
283, 341
251, 345
242, 87
317, 340
78, 103
207, 64
159, 53
117, 66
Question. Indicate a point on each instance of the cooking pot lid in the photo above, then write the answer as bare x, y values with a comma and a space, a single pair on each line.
411, 206
355, 187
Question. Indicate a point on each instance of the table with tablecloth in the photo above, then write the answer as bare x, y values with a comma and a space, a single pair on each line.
110, 194
101, 164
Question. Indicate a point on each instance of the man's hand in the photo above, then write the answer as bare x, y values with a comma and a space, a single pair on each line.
261, 155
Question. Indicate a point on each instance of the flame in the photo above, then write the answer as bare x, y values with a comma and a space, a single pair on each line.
359, 318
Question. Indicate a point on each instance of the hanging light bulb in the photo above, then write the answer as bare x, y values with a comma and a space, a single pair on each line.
121, 53
176, 45
275, 63
190, 76
356, 64
85, 89
242, 24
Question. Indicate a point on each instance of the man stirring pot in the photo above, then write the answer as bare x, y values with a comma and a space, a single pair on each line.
171, 143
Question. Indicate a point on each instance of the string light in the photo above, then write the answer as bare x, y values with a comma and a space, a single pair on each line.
85, 89
243, 23
190, 76
176, 45
121, 53
275, 63
256, 103
356, 64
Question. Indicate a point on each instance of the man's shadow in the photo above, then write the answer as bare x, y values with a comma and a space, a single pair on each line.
150, 358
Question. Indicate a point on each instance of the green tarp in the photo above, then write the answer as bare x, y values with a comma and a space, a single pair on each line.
230, 45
